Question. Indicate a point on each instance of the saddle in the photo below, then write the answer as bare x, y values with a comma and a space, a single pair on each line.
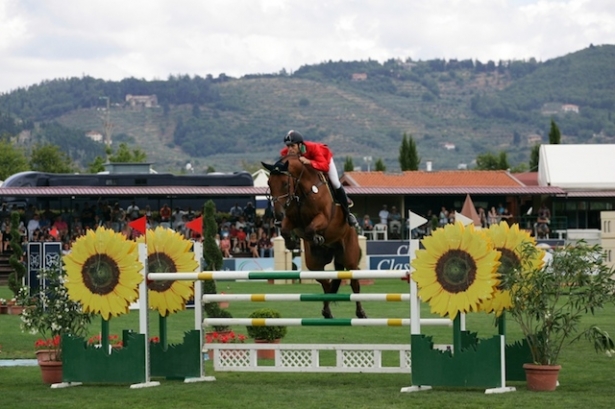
324, 178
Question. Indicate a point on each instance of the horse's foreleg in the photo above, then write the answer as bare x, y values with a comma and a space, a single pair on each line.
356, 288
315, 230
286, 232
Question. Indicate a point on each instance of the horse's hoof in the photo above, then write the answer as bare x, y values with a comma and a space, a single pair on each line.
361, 314
319, 240
327, 314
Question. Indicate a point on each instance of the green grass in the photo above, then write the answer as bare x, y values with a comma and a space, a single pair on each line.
586, 378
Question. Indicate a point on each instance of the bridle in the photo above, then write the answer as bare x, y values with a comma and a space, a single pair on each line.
294, 193
291, 188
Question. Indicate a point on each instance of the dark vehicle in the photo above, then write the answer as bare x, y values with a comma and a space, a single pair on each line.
128, 180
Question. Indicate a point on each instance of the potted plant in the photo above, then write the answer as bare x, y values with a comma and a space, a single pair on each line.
549, 302
52, 314
262, 334
227, 337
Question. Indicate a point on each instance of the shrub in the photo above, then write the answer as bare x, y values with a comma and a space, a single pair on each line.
266, 333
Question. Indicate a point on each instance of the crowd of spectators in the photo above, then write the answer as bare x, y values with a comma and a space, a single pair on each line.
241, 231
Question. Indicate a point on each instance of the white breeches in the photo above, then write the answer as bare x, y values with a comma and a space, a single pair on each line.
333, 176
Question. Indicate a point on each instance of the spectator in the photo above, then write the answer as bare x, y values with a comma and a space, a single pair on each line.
492, 216
544, 213
118, 216
6, 237
133, 211
242, 242
225, 246
165, 216
177, 218
235, 212
384, 215
253, 245
249, 213
265, 246
61, 226
395, 221
366, 223
483, 217
33, 225
443, 217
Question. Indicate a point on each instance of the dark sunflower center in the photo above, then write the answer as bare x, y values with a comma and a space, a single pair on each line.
456, 271
509, 261
100, 274
160, 263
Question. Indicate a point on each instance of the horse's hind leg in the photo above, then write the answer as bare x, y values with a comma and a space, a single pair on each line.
356, 288
326, 288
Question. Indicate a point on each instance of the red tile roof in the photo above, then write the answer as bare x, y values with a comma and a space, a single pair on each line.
444, 178
527, 178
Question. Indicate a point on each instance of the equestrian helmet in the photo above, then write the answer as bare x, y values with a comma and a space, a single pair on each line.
293, 137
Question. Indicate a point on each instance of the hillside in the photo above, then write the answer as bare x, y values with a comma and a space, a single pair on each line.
454, 110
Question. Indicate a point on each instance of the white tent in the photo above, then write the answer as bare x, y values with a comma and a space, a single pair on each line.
261, 177
577, 167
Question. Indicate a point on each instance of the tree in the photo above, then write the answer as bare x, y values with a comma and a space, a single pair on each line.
212, 257
348, 164
124, 155
49, 158
490, 161
408, 154
555, 136
12, 160
19, 269
379, 166
534, 158
97, 165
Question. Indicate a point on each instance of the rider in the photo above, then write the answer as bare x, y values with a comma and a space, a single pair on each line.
320, 157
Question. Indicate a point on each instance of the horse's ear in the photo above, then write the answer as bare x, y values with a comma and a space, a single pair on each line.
283, 167
267, 166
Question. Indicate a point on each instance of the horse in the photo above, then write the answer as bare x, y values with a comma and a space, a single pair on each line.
303, 202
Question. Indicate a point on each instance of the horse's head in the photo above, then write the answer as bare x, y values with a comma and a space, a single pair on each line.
284, 179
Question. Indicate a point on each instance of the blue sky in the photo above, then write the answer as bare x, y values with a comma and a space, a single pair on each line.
113, 39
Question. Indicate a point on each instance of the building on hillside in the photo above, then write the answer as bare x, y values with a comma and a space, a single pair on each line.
359, 76
449, 146
534, 139
95, 136
146, 101
570, 108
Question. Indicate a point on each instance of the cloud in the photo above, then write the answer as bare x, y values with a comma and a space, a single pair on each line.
149, 39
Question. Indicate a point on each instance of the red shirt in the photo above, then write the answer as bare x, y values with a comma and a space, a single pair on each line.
318, 153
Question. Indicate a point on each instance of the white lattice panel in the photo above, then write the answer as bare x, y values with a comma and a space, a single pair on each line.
307, 358
296, 358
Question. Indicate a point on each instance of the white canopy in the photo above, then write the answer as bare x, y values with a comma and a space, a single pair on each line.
577, 167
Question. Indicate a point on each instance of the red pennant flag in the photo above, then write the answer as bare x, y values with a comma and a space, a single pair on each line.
196, 225
139, 224
54, 232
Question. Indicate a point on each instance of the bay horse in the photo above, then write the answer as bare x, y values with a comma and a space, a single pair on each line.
303, 202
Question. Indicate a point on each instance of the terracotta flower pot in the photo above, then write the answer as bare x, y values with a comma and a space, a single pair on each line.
51, 371
266, 353
541, 377
47, 355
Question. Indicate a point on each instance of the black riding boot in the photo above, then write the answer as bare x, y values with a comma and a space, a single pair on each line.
340, 195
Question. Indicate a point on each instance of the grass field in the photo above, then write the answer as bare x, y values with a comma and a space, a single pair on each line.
586, 378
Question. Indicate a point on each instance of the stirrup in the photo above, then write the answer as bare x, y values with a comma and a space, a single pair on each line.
352, 220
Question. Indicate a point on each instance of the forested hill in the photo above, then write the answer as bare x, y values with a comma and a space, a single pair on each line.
454, 110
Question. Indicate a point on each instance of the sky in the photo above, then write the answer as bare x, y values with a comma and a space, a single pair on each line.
153, 39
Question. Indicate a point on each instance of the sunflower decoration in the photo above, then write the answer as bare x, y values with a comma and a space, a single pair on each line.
509, 241
103, 272
456, 271
167, 252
